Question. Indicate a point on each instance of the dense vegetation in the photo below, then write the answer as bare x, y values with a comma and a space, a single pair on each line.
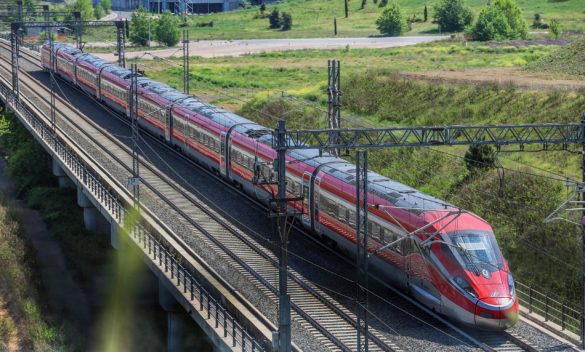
24, 324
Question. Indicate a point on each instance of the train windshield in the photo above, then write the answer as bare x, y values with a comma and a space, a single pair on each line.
476, 251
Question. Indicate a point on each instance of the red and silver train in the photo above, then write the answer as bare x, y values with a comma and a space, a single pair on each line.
448, 259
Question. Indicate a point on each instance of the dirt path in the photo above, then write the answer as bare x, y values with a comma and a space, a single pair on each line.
65, 297
499, 75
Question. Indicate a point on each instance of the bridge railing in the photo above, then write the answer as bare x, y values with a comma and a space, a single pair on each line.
551, 309
153, 246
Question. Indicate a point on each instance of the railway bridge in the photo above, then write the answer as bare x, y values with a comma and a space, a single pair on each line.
219, 267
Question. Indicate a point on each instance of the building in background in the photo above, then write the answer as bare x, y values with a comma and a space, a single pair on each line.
175, 6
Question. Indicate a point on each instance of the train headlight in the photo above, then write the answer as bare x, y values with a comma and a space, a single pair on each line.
465, 286
511, 285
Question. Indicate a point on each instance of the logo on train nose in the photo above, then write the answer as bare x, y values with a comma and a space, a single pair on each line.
495, 293
485, 273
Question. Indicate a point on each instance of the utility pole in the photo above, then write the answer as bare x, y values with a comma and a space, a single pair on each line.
186, 61
14, 53
284, 328
361, 211
121, 27
78, 29
334, 102
134, 181
583, 239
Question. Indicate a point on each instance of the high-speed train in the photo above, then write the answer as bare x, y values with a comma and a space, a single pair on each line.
448, 259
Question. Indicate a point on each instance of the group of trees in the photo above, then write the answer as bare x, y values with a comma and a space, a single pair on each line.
101, 8
165, 30
499, 20
282, 21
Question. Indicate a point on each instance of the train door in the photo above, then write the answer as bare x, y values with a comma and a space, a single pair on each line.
169, 126
222, 153
316, 201
305, 184
418, 276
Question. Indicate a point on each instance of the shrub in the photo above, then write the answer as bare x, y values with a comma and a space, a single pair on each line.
274, 19
453, 15
262, 8
106, 5
139, 27
98, 10
426, 14
383, 3
501, 20
555, 29
480, 157
286, 21
167, 30
390, 21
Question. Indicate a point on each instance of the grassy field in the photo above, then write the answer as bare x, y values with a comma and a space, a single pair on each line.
315, 18
231, 82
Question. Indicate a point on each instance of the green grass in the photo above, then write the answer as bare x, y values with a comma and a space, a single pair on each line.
567, 62
315, 18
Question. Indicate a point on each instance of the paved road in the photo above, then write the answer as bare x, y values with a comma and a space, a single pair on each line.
218, 48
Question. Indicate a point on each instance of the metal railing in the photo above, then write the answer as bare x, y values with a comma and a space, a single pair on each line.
151, 245
551, 309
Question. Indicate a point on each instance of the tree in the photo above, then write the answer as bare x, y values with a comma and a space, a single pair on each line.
334, 25
383, 3
139, 27
85, 7
167, 30
480, 157
453, 15
286, 21
107, 5
274, 19
363, 5
390, 21
555, 28
426, 14
262, 8
98, 10
346, 8
499, 21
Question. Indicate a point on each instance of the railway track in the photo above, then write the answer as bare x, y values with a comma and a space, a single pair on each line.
258, 269
332, 324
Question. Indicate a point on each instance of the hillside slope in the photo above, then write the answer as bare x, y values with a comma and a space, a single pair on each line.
567, 61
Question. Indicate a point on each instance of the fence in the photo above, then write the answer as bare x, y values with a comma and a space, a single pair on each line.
210, 308
551, 309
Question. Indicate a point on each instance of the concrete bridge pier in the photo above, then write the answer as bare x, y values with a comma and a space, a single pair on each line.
92, 218
176, 325
62, 178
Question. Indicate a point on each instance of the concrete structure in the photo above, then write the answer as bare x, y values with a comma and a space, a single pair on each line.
178, 6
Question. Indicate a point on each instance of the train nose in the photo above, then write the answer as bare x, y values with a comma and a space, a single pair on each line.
496, 313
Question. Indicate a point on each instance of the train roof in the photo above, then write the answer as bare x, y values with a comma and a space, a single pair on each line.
118, 71
397, 193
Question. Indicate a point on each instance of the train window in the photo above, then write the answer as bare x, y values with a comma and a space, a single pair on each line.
332, 209
351, 218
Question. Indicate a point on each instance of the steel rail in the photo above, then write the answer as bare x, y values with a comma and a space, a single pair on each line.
384, 346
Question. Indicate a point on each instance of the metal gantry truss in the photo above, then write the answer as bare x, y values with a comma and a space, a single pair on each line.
521, 135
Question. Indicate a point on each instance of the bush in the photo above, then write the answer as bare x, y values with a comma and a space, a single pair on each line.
139, 27
286, 21
106, 5
390, 21
555, 29
480, 157
167, 30
274, 19
383, 3
452, 15
98, 10
502, 20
